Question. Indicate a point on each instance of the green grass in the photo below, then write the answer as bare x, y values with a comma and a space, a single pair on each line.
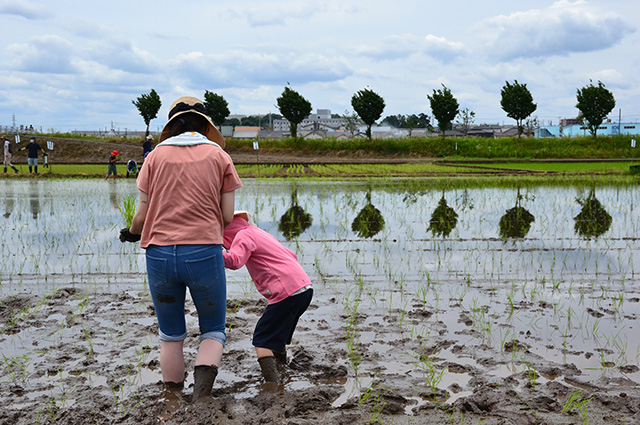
565, 167
568, 171
75, 169
465, 147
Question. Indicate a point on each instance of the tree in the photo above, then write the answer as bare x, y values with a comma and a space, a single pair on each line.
233, 122
217, 107
411, 122
517, 102
530, 126
444, 107
397, 121
595, 103
351, 122
369, 106
294, 108
148, 105
467, 117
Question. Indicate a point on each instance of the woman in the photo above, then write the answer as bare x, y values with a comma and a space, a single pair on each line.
187, 194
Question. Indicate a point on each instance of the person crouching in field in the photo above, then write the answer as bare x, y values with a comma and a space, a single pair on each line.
279, 277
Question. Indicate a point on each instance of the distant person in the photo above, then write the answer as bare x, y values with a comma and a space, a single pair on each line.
8, 151
32, 157
112, 170
279, 277
146, 146
132, 168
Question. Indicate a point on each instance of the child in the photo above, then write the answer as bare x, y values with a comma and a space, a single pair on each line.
132, 168
278, 277
112, 165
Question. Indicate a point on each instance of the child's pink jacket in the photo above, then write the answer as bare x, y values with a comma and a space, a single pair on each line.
274, 269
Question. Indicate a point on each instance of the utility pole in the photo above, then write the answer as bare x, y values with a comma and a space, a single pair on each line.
619, 121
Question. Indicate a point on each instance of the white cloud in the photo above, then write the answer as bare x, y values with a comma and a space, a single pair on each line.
49, 54
611, 78
282, 13
122, 55
243, 69
563, 28
24, 9
398, 46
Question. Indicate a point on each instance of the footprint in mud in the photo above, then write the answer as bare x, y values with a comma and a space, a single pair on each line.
303, 361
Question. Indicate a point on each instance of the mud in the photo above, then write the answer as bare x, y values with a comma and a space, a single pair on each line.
85, 355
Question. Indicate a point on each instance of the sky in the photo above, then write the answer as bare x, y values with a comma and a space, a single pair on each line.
78, 65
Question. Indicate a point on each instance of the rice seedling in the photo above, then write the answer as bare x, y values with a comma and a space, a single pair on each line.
577, 401
17, 368
432, 374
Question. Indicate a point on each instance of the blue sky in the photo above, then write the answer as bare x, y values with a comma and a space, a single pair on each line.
78, 65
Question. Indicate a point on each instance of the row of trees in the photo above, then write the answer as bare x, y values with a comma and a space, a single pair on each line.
595, 102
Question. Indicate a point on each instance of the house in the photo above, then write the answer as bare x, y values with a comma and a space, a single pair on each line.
241, 132
321, 119
575, 130
226, 130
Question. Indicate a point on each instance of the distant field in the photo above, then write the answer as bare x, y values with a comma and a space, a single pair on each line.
413, 169
566, 167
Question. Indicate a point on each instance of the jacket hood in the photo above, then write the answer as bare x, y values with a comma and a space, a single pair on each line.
230, 232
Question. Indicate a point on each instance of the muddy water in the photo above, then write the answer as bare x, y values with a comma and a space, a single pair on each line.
440, 290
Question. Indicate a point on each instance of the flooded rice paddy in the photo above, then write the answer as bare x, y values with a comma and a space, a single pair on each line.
423, 297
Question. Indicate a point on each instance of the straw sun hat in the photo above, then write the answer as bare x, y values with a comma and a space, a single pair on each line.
189, 104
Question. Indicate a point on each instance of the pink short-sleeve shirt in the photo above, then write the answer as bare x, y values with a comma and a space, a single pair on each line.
185, 184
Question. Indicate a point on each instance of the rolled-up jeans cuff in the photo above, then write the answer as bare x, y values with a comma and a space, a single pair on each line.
165, 337
221, 337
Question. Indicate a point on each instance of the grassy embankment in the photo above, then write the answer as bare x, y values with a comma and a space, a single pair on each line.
362, 158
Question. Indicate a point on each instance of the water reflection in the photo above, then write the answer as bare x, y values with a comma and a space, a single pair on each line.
516, 223
369, 221
34, 198
593, 220
113, 194
9, 200
295, 220
464, 201
443, 220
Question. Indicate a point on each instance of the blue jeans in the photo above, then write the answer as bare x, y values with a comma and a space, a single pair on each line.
171, 270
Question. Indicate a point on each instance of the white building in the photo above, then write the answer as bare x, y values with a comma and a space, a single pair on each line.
321, 120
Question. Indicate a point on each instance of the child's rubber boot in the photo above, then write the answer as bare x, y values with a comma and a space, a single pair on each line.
203, 379
281, 357
268, 368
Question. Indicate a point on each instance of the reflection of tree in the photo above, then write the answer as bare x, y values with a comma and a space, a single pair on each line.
443, 220
295, 220
465, 202
516, 223
593, 220
369, 220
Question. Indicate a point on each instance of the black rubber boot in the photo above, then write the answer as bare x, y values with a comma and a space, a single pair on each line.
203, 379
5, 169
15, 170
281, 357
269, 369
